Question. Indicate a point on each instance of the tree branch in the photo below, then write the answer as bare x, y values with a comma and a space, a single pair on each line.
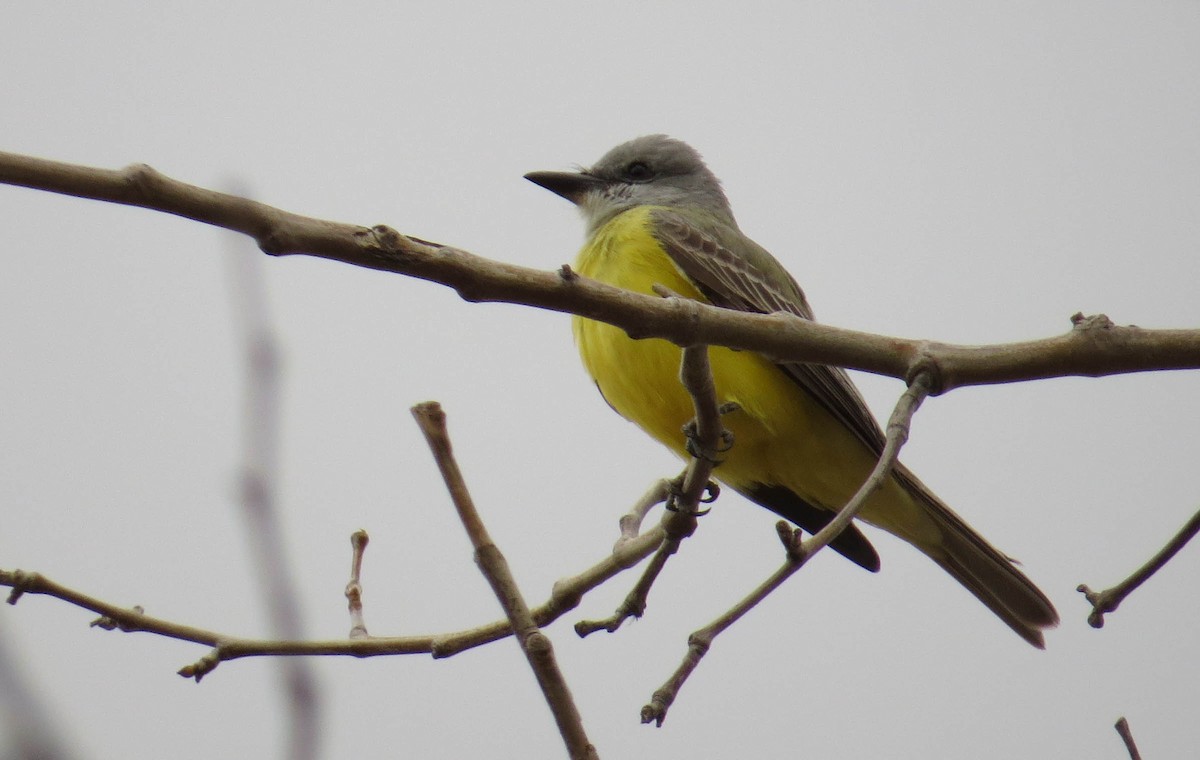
565, 596
358, 547
1094, 348
1122, 727
798, 552
1109, 599
709, 439
535, 644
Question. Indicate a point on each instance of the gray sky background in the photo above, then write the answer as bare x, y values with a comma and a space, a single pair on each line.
964, 172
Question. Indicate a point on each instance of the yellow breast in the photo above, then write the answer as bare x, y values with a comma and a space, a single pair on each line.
781, 435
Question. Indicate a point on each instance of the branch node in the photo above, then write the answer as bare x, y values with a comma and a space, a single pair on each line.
1101, 602
273, 242
538, 644
386, 238
202, 667
567, 274
1109, 599
109, 623
926, 363
656, 711
1081, 323
142, 180
689, 332
21, 582
565, 596
792, 540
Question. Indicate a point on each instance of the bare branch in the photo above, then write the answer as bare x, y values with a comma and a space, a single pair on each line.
358, 545
709, 439
1109, 599
535, 644
798, 552
565, 596
1122, 727
1094, 348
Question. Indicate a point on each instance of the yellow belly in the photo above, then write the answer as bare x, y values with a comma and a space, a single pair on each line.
781, 435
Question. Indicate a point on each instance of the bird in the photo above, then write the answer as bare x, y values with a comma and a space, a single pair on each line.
803, 438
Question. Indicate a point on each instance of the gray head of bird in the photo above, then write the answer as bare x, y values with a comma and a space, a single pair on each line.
654, 170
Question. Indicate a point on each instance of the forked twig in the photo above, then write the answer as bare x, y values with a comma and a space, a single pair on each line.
798, 551
565, 597
1109, 599
709, 438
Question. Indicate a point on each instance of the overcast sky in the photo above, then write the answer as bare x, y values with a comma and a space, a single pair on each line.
966, 172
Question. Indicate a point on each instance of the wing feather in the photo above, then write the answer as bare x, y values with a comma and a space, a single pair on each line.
750, 279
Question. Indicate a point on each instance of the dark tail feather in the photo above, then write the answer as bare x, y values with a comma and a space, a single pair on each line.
851, 543
985, 571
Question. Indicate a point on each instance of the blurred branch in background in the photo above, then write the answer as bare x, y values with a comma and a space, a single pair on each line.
27, 732
257, 487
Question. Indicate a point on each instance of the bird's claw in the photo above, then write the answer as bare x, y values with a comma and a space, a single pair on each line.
692, 443
711, 492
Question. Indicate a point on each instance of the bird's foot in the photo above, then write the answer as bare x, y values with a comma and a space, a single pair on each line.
691, 434
711, 491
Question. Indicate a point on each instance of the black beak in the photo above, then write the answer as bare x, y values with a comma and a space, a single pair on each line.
570, 185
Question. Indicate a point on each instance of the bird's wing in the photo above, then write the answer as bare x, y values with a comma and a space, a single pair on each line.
734, 272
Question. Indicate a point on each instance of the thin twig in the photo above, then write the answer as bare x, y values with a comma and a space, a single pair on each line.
1094, 348
709, 437
631, 522
535, 644
565, 596
354, 590
1109, 599
798, 552
1122, 727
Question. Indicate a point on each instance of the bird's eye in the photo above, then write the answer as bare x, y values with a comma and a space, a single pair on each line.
638, 171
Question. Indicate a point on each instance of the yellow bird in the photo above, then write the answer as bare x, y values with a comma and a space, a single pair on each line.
804, 440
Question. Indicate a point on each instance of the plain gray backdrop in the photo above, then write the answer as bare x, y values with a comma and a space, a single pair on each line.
966, 172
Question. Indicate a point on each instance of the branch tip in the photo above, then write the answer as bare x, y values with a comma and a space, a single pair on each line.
1122, 726
792, 540
1109, 599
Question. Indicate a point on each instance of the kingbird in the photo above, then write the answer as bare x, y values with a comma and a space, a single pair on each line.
803, 438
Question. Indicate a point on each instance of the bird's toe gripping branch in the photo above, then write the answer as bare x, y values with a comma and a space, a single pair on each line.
696, 446
711, 491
